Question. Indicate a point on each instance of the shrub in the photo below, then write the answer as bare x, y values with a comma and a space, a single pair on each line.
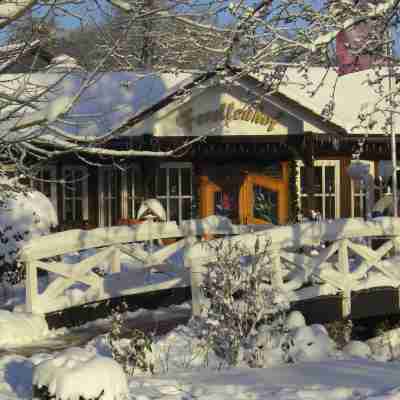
241, 299
131, 353
24, 214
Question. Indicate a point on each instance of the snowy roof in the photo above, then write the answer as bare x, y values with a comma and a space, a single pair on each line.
352, 95
108, 100
115, 98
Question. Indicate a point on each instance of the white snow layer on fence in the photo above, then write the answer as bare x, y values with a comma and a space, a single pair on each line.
18, 329
77, 373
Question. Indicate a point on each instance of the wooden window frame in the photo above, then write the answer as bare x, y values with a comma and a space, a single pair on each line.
85, 201
354, 195
179, 166
52, 169
127, 197
322, 163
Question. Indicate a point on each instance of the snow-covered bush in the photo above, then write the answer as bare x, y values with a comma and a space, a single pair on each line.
357, 349
24, 214
79, 374
181, 350
133, 353
308, 343
340, 331
241, 298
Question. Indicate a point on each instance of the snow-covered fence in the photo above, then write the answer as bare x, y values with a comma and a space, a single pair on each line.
291, 270
37, 253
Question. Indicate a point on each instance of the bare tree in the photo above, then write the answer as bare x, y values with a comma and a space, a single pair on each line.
228, 38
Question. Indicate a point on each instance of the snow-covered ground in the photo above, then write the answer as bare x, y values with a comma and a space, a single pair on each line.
185, 371
330, 379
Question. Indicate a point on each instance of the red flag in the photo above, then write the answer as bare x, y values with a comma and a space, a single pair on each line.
347, 44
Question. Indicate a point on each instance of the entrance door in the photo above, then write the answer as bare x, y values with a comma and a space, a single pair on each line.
246, 197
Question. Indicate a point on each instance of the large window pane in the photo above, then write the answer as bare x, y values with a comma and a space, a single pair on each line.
225, 204
174, 190
329, 179
326, 190
174, 182
186, 208
330, 207
174, 209
186, 181
162, 182
265, 204
318, 179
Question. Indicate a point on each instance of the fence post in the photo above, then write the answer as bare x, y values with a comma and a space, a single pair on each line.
196, 271
344, 268
276, 278
31, 287
116, 261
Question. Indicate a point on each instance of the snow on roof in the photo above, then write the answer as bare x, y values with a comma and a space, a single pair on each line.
352, 95
109, 99
115, 97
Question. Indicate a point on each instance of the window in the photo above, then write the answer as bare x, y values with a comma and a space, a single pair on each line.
326, 190
133, 192
360, 193
174, 189
120, 194
109, 193
265, 204
75, 194
45, 182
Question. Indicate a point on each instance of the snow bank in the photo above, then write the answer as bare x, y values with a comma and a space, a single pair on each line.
31, 210
357, 349
22, 216
310, 343
180, 350
21, 328
77, 373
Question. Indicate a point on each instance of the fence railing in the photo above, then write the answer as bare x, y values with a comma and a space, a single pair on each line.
331, 265
290, 269
111, 242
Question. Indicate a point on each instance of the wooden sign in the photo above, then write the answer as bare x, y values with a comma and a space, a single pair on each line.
226, 113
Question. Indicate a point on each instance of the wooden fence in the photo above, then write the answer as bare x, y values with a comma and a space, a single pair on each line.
291, 269
42, 252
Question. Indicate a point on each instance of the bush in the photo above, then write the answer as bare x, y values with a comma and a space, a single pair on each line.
241, 299
24, 214
131, 353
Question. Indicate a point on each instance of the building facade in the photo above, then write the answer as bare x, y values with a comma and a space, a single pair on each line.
256, 161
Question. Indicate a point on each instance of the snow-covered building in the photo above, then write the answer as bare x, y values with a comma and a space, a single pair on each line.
251, 163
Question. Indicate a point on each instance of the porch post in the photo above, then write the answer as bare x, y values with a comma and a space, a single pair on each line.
309, 174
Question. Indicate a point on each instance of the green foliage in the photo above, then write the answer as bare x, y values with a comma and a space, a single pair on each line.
294, 209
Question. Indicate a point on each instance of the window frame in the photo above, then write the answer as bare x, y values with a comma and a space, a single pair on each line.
323, 195
85, 200
52, 169
102, 197
127, 197
122, 196
167, 197
354, 195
